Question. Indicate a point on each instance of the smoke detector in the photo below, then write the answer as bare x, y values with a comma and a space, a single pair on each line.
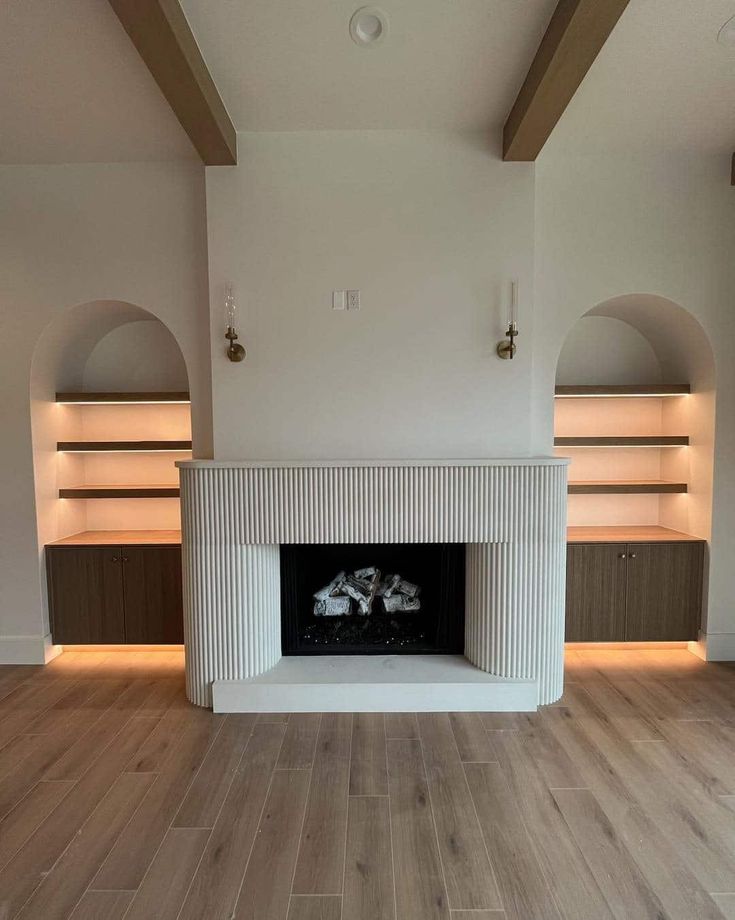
726, 35
368, 26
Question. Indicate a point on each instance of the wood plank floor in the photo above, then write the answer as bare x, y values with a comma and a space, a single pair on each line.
120, 800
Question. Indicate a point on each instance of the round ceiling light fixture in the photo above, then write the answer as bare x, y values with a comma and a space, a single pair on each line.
726, 35
368, 26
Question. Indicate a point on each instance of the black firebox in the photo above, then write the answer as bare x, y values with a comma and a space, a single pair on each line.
372, 598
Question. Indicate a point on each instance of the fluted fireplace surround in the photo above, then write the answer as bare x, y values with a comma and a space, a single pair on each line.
510, 514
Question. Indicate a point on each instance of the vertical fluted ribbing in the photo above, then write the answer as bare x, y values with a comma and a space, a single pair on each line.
512, 516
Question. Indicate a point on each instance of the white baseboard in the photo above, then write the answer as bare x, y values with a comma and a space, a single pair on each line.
28, 649
405, 683
718, 646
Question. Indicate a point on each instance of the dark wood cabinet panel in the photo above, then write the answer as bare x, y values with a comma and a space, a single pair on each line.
634, 592
153, 602
595, 608
664, 591
86, 594
115, 594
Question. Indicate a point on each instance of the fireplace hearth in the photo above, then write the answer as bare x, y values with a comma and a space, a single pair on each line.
372, 598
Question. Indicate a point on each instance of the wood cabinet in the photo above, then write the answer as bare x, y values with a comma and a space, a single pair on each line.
634, 592
664, 591
115, 594
152, 586
596, 578
85, 588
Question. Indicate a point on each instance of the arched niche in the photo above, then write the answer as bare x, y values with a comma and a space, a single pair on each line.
641, 339
103, 346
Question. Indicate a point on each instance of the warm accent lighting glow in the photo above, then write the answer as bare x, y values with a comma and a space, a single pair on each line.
617, 395
124, 402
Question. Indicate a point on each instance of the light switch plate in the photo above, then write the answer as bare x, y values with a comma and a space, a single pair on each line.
339, 300
353, 300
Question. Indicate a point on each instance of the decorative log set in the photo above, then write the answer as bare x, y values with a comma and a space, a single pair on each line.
357, 593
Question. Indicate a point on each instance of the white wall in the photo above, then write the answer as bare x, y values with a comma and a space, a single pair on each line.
658, 225
604, 350
140, 355
72, 235
431, 228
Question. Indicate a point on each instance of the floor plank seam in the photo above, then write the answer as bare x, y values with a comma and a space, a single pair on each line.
303, 817
262, 810
171, 824
68, 845
390, 827
569, 789
216, 817
347, 811
135, 811
433, 815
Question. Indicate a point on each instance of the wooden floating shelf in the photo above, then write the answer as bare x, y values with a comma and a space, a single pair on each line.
624, 487
141, 398
128, 491
122, 446
657, 441
622, 390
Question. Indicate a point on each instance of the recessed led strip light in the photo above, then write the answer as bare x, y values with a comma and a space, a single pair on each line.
125, 450
126, 402
123, 399
602, 442
126, 447
622, 391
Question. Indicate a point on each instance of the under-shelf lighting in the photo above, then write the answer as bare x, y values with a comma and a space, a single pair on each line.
120, 399
617, 395
123, 402
126, 402
621, 391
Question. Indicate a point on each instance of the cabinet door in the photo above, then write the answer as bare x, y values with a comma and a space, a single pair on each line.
595, 592
154, 610
664, 601
85, 594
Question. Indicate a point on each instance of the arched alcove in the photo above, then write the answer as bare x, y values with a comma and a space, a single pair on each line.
105, 347
640, 339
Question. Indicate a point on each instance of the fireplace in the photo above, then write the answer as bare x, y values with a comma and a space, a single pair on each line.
507, 515
372, 598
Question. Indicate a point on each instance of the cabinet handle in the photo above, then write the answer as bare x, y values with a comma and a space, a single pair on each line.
114, 558
622, 556
632, 555
125, 559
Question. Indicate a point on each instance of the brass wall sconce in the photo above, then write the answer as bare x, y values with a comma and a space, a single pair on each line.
234, 351
507, 347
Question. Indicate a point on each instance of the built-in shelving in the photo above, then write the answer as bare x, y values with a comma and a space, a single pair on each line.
648, 441
622, 390
149, 446
624, 487
120, 491
123, 446
120, 398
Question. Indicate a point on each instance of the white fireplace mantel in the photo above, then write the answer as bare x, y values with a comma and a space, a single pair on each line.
510, 513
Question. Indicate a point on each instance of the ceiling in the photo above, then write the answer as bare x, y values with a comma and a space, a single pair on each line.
661, 82
73, 89
290, 65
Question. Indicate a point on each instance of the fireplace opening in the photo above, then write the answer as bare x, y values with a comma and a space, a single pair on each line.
372, 598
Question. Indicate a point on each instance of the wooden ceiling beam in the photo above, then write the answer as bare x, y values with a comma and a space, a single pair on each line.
162, 36
577, 31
